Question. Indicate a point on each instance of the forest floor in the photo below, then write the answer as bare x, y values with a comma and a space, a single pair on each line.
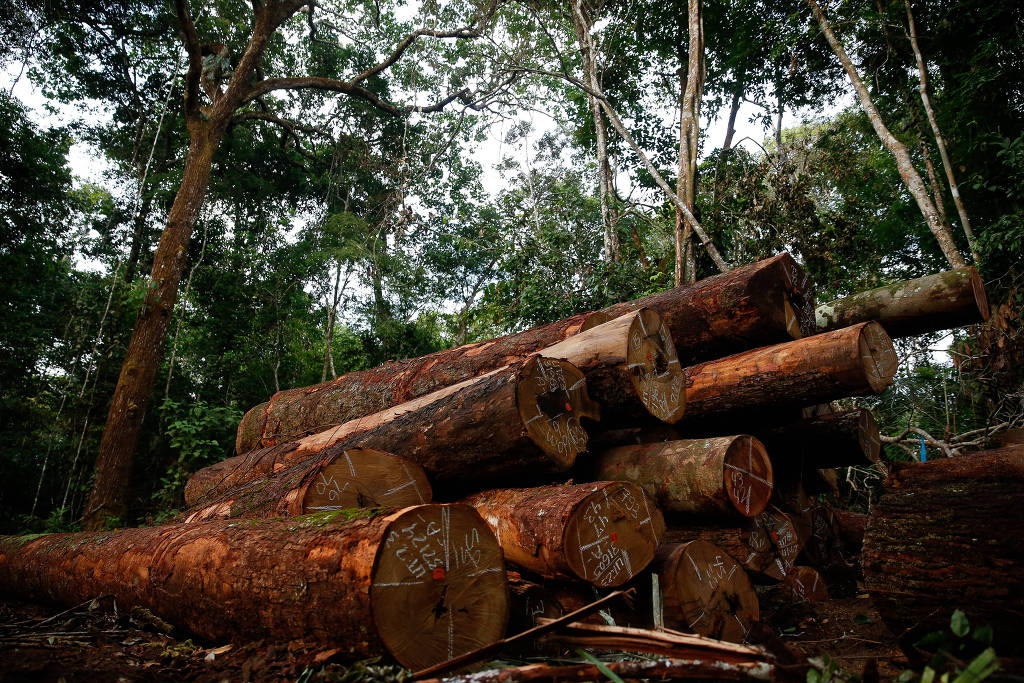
96, 643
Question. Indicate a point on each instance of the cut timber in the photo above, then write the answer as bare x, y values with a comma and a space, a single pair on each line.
762, 303
852, 361
705, 591
928, 304
352, 478
946, 535
631, 366
804, 584
710, 477
661, 669
521, 421
294, 413
630, 362
835, 440
852, 526
424, 583
603, 533
530, 600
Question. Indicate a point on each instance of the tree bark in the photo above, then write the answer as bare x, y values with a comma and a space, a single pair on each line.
691, 91
940, 142
520, 422
603, 533
424, 583
848, 362
353, 478
709, 477
911, 178
835, 440
705, 591
946, 535
926, 304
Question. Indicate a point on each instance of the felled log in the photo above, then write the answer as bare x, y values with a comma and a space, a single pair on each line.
755, 305
705, 591
759, 304
834, 440
352, 478
849, 362
804, 584
818, 530
852, 526
946, 535
519, 421
630, 361
926, 304
424, 583
532, 598
602, 533
709, 477
767, 546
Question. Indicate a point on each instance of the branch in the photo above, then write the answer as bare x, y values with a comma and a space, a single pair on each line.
195, 57
290, 127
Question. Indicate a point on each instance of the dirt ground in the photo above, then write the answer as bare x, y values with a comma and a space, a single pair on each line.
98, 642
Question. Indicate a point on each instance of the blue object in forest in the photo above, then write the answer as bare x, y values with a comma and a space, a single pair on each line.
924, 455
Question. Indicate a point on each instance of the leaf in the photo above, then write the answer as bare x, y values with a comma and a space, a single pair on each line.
601, 666
980, 668
958, 624
863, 619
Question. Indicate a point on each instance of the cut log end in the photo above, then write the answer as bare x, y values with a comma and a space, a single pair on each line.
773, 543
980, 298
748, 475
594, 319
804, 584
878, 356
868, 436
438, 587
654, 367
792, 319
705, 591
366, 477
552, 398
612, 534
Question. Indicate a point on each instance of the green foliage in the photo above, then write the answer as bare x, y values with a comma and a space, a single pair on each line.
949, 650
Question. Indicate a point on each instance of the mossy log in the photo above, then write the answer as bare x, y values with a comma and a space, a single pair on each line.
424, 584
714, 477
926, 304
518, 422
945, 535
849, 362
603, 533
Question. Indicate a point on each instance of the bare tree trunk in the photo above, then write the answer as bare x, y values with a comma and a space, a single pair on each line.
331, 315
689, 124
734, 109
583, 24
911, 178
939, 141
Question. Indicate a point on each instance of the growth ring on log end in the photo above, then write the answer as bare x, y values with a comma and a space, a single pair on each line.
438, 587
878, 356
654, 367
552, 398
705, 591
365, 477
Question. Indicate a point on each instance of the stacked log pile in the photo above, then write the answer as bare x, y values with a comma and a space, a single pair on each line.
677, 419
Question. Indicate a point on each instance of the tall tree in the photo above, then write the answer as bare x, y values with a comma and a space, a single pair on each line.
234, 92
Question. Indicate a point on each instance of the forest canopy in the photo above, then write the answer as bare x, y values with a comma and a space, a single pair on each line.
203, 203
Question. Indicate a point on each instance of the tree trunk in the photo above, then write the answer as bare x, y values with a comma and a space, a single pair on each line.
804, 584
530, 601
946, 535
424, 583
709, 477
631, 366
835, 440
297, 412
602, 533
761, 303
107, 500
911, 178
520, 422
848, 362
767, 546
927, 304
940, 142
353, 478
692, 82
705, 591
730, 126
